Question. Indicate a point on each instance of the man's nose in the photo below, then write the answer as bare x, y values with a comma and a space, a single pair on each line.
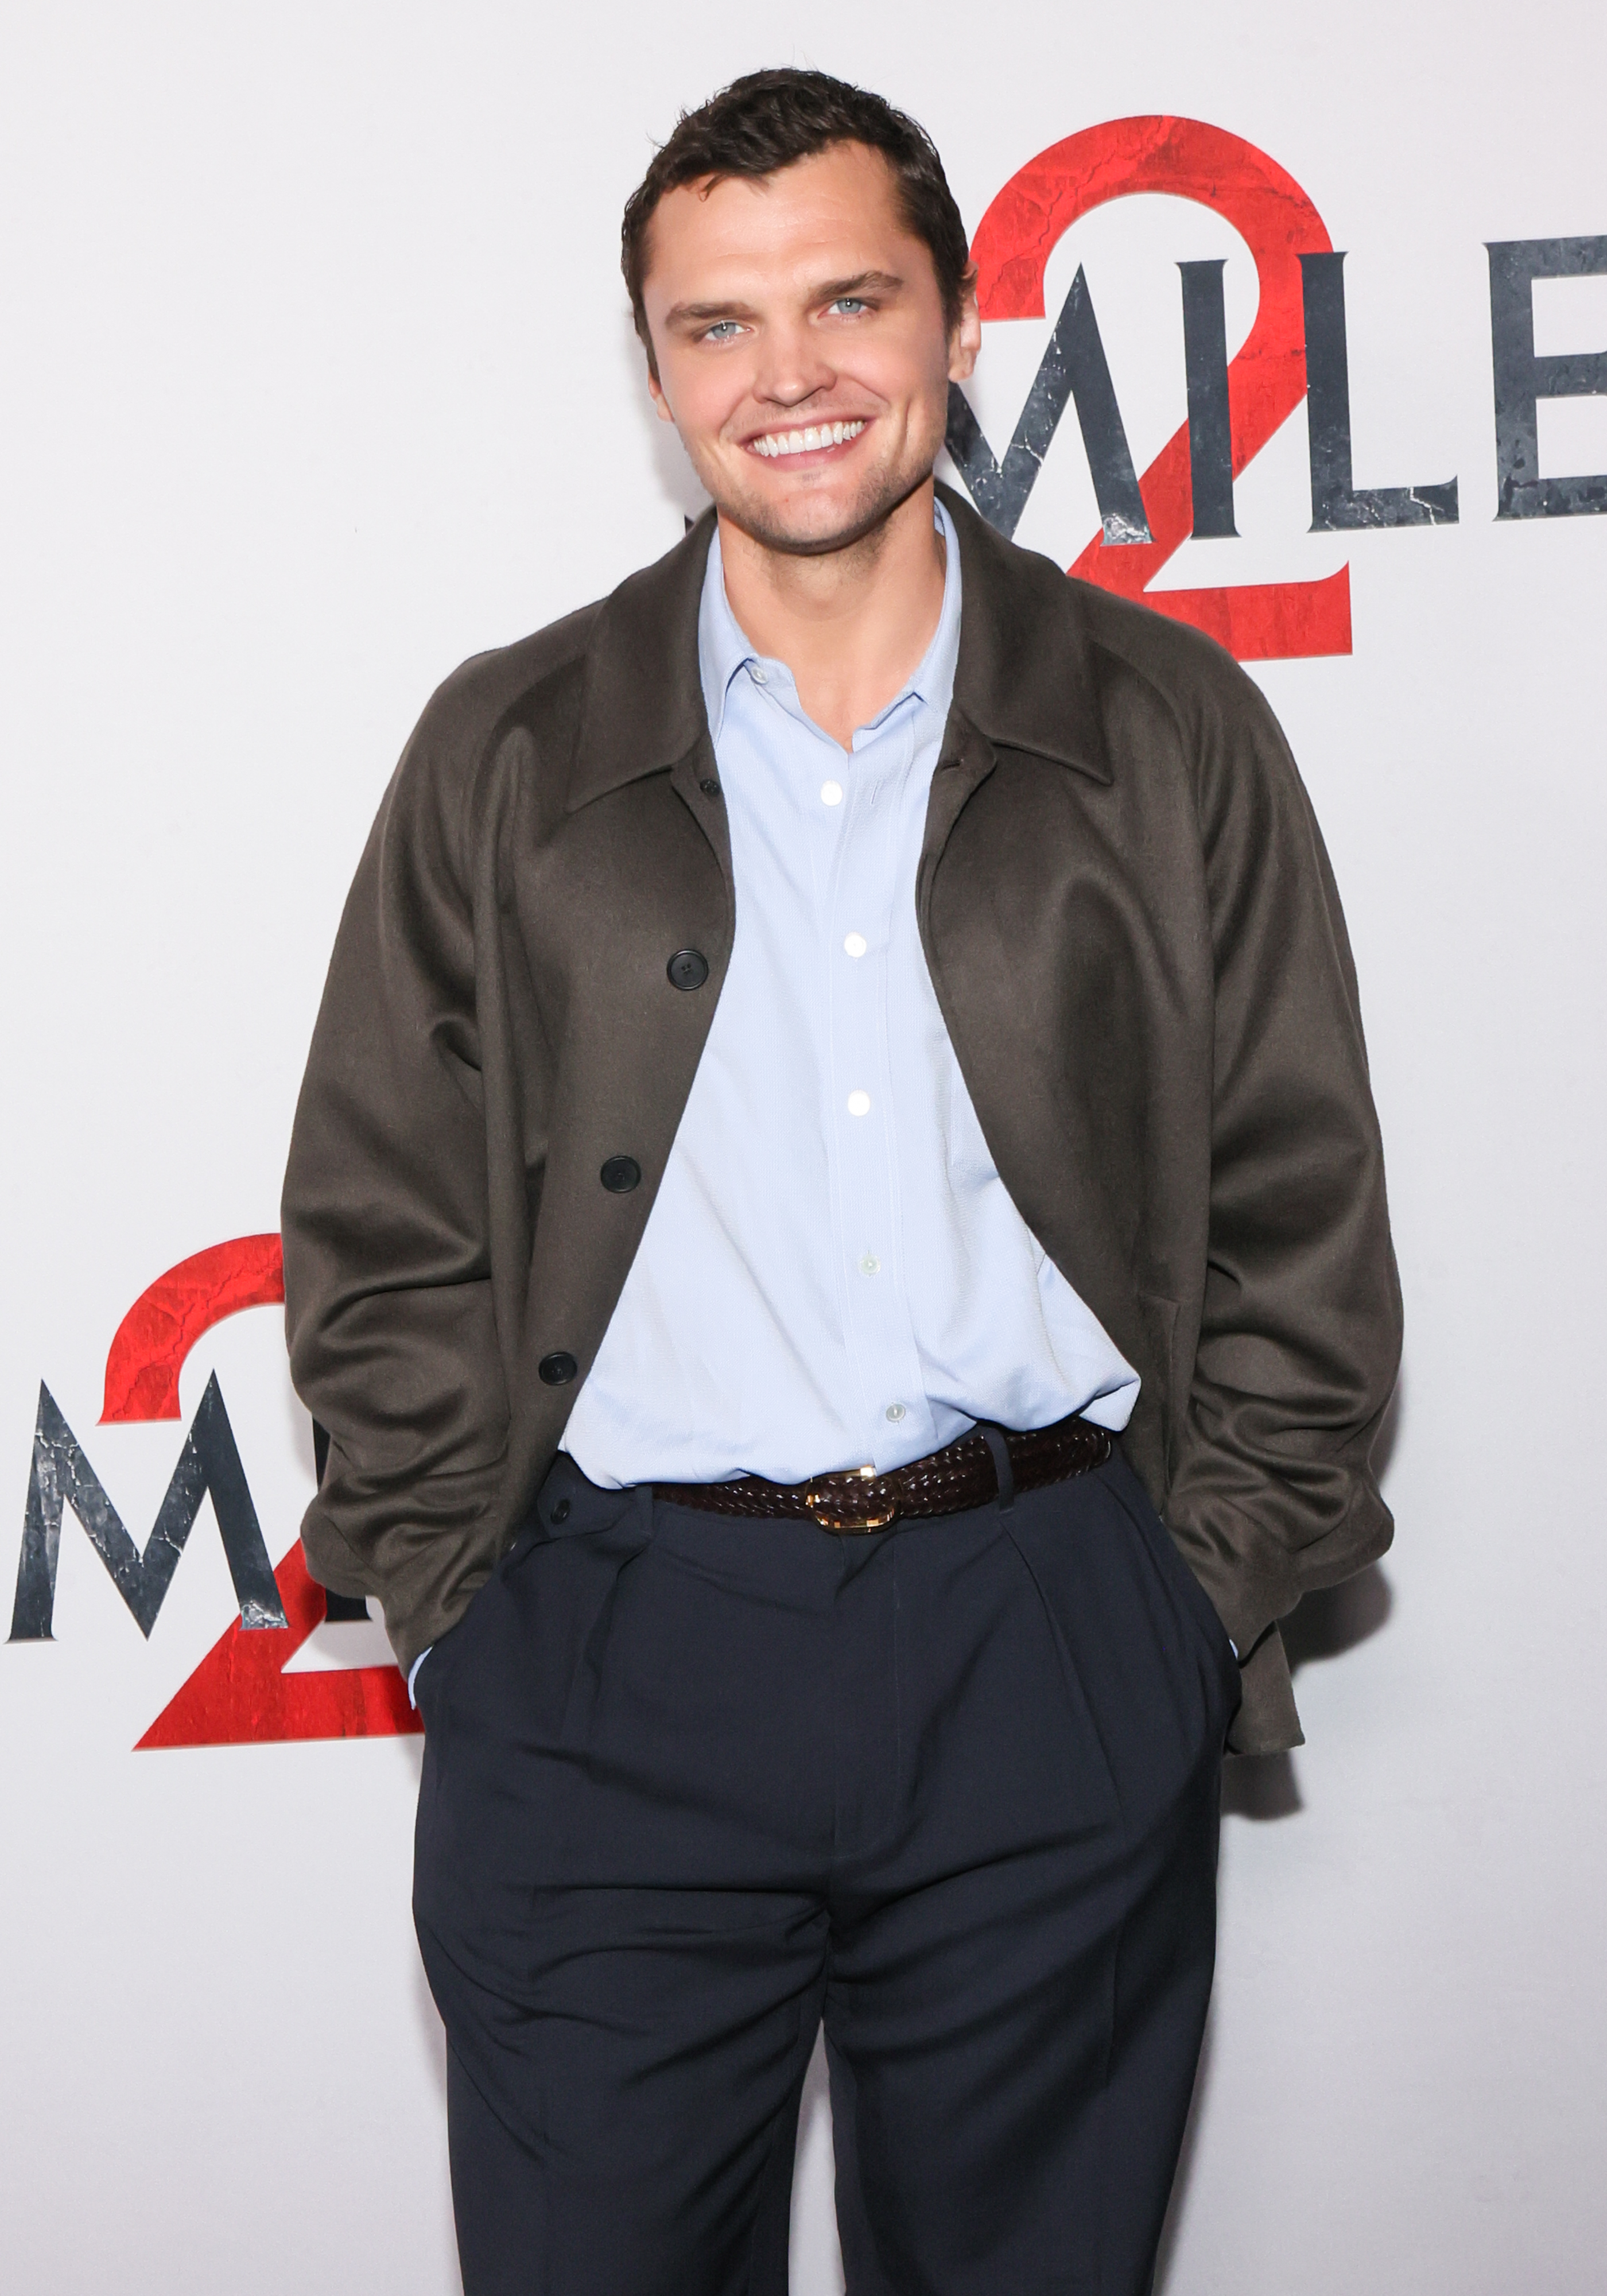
791, 367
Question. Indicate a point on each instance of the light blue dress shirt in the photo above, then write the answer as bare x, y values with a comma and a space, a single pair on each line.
832, 1274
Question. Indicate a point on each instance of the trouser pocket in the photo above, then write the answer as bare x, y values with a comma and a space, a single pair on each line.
1194, 1605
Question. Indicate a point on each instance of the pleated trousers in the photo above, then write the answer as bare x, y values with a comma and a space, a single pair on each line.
693, 1785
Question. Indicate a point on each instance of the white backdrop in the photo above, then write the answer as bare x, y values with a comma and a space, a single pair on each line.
316, 375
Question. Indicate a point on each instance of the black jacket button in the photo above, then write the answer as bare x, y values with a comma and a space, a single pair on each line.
710, 787
688, 968
621, 1175
556, 1370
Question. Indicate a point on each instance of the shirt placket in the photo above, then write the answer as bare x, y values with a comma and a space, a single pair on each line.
892, 1408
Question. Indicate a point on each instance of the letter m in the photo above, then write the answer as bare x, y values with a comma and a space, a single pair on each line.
63, 1477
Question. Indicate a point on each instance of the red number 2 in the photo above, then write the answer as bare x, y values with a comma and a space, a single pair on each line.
1257, 621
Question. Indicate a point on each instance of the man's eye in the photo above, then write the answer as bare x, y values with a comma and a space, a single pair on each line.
850, 303
724, 330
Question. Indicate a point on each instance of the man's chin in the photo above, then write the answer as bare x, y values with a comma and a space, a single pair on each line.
818, 529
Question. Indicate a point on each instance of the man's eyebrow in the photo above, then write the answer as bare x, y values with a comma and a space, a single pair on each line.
888, 283
708, 315
705, 315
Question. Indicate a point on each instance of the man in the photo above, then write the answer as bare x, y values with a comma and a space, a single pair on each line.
839, 1108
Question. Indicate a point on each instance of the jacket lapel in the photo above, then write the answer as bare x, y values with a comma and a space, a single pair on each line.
641, 701
1025, 676
1023, 681
1026, 686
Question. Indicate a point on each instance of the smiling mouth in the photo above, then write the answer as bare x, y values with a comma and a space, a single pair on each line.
773, 445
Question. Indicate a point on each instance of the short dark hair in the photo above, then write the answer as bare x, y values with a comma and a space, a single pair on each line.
768, 119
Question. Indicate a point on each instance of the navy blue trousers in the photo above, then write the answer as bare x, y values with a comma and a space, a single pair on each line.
692, 1785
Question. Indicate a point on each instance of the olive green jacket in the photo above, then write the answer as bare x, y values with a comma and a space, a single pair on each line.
1138, 950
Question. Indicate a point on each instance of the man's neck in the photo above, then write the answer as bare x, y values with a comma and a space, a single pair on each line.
851, 626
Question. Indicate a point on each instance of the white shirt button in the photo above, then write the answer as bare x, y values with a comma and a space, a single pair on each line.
859, 1104
831, 792
760, 676
856, 944
870, 1264
894, 1412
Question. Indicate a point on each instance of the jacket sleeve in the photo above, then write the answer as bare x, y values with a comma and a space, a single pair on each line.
1273, 1491
392, 1336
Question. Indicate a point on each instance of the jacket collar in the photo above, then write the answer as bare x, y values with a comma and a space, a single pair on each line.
642, 699
1025, 678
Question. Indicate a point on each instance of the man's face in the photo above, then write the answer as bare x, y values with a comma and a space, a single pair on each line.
802, 352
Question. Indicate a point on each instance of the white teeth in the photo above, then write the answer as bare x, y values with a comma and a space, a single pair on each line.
772, 444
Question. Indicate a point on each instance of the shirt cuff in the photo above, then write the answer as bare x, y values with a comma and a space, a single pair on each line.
412, 1673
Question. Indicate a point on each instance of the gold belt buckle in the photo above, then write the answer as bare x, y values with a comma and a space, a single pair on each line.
831, 1512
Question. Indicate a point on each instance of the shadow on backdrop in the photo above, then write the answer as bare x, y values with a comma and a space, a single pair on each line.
1266, 1786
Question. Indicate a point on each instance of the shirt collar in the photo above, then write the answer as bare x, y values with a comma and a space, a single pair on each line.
724, 650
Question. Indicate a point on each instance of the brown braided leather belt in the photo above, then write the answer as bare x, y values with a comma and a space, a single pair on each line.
989, 1462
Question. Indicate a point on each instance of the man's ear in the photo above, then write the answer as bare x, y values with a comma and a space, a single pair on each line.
966, 340
655, 390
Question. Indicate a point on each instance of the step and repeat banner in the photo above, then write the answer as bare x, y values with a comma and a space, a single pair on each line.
318, 376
